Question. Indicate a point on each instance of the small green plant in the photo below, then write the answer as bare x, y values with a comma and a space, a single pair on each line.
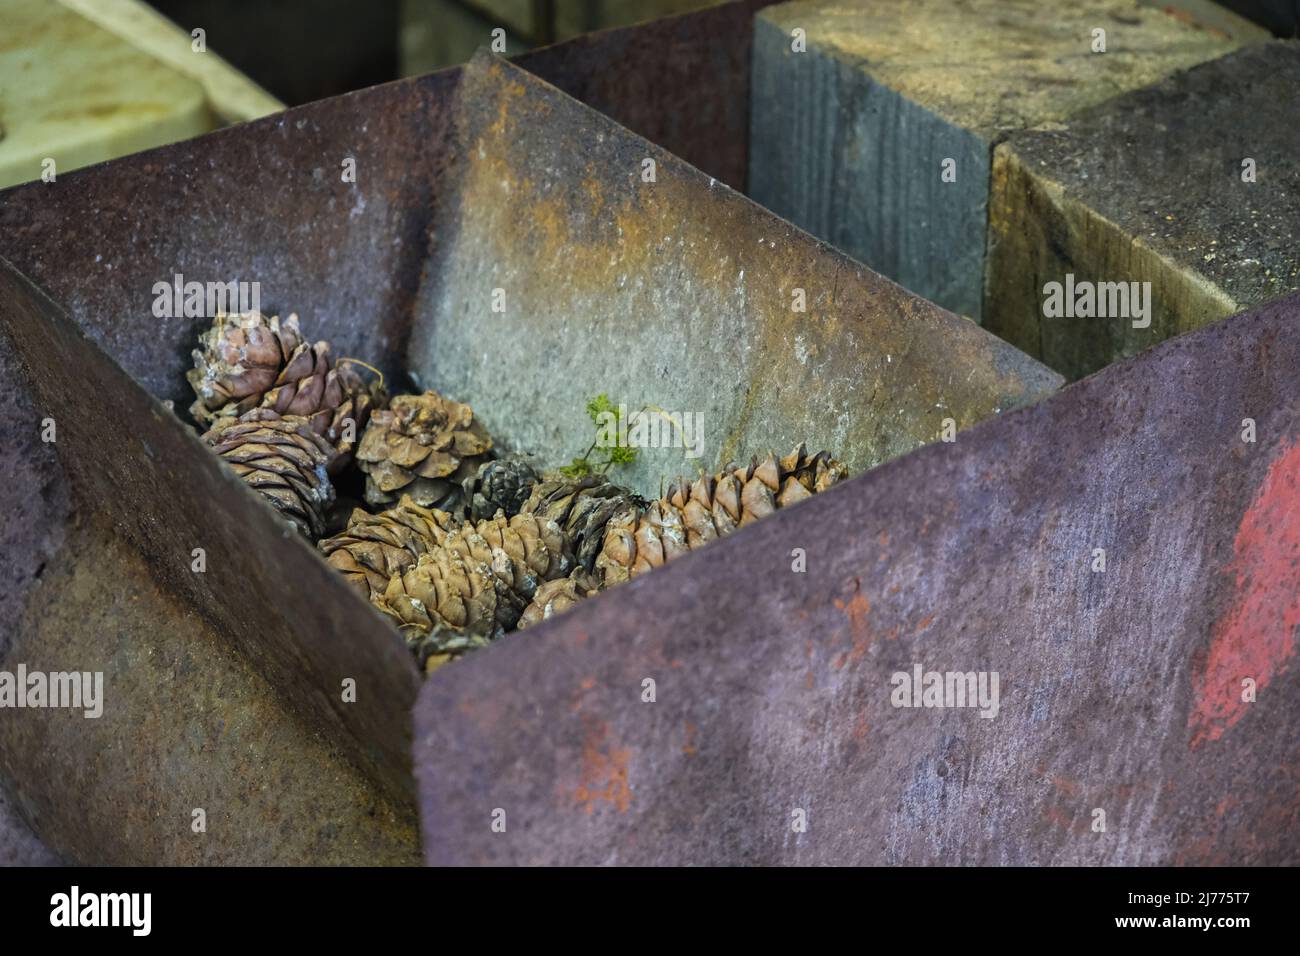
600, 457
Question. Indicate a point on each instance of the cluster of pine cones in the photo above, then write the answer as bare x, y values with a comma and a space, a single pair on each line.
459, 546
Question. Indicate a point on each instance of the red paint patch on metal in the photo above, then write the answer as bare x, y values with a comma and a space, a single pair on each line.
1257, 637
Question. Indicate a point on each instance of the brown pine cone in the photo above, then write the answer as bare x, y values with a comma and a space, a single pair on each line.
442, 593
241, 358
424, 446
582, 507
328, 395
522, 551
443, 645
479, 578
284, 459
374, 547
691, 515
556, 597
249, 361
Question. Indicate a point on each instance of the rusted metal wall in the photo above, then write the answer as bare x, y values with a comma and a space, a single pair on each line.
223, 685
681, 82
1121, 690
573, 259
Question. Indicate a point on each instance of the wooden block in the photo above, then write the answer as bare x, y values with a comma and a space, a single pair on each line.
849, 138
77, 94
234, 98
1150, 187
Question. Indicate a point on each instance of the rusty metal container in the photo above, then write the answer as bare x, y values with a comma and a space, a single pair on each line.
223, 688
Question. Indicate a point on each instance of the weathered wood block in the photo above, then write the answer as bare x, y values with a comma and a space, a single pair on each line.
1192, 185
849, 139
77, 94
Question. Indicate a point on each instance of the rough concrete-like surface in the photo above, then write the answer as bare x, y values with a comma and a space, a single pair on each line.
676, 293
847, 138
1120, 691
1148, 187
33, 500
187, 723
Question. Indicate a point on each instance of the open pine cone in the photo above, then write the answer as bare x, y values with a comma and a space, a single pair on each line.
424, 446
478, 579
374, 547
249, 361
241, 358
691, 515
556, 597
283, 458
582, 507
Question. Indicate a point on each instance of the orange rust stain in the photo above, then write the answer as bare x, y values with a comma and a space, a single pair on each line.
841, 661
689, 747
856, 609
604, 772
925, 622
860, 648
588, 683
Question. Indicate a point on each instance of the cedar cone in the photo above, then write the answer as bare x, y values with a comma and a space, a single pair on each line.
687, 517
424, 446
375, 547
478, 579
442, 645
283, 458
503, 484
241, 358
248, 361
690, 516
581, 507
556, 597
